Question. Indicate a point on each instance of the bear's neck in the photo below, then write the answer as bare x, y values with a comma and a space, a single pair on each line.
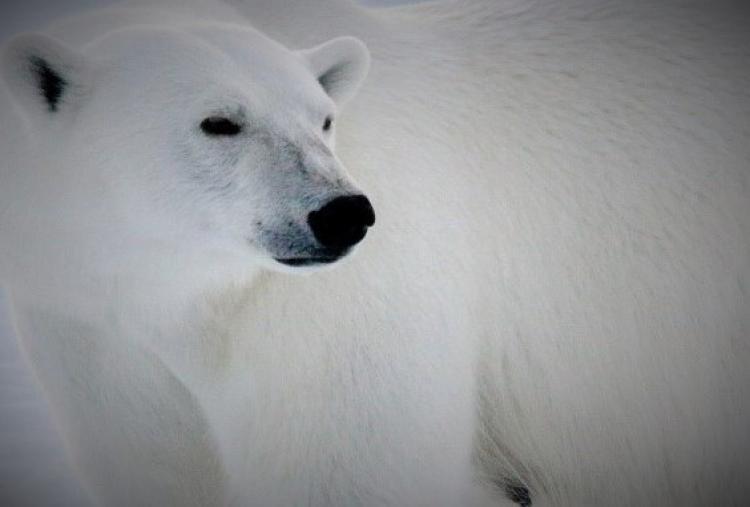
168, 307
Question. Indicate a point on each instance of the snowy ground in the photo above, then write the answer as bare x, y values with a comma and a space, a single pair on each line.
33, 472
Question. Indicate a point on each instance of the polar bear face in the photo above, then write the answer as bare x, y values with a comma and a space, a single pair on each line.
203, 138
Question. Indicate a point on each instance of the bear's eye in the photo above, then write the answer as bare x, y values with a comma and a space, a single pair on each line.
327, 124
220, 126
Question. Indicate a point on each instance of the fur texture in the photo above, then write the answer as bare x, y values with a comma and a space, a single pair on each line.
552, 307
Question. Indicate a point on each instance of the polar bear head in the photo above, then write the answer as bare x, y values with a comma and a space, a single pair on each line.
196, 139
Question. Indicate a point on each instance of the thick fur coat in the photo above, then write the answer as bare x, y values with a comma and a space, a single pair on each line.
552, 307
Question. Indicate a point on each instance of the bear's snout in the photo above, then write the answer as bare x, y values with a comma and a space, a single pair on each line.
342, 222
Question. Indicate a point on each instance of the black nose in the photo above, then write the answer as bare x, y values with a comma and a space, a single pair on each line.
342, 222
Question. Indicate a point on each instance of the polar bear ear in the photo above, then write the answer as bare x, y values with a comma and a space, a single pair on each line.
43, 75
340, 66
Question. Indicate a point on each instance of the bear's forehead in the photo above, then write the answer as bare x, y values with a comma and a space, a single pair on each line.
203, 54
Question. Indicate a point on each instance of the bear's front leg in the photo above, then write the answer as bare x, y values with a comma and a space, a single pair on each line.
135, 434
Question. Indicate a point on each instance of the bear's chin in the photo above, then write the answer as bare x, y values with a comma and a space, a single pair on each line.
305, 265
307, 261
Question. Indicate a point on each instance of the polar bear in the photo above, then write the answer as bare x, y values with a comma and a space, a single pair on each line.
141, 258
551, 307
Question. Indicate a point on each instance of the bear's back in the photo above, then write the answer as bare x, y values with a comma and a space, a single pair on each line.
80, 29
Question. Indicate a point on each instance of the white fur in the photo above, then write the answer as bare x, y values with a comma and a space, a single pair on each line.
556, 288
